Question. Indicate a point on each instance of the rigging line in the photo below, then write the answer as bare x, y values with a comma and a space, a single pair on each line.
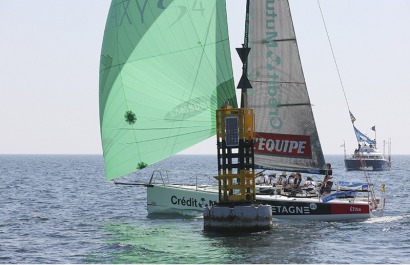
334, 57
347, 103
373, 197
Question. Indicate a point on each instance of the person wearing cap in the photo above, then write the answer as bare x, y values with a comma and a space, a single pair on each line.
263, 179
272, 179
310, 184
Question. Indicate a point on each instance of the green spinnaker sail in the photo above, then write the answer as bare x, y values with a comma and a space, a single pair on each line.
165, 68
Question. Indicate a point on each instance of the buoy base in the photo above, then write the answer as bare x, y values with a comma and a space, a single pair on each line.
249, 218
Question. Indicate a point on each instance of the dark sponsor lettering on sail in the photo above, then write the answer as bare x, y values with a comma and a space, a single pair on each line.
283, 145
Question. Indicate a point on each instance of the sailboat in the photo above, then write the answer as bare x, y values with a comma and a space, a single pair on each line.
165, 69
367, 156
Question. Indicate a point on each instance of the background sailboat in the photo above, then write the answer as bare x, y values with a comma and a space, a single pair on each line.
366, 156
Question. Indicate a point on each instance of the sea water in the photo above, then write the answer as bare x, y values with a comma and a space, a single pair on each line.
61, 209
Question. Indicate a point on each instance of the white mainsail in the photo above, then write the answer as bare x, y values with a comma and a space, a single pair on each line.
286, 134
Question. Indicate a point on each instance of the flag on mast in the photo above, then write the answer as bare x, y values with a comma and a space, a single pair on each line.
374, 128
352, 117
363, 138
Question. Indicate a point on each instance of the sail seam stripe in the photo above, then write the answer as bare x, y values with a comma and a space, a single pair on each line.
167, 137
279, 82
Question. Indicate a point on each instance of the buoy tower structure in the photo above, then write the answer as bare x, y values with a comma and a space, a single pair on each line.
236, 210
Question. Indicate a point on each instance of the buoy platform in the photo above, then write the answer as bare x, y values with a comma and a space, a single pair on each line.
238, 218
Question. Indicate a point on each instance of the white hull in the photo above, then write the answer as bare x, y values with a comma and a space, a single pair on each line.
183, 199
191, 200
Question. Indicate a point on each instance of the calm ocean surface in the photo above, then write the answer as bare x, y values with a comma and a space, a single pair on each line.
60, 209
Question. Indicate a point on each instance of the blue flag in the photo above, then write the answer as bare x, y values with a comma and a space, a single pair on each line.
343, 194
363, 138
353, 185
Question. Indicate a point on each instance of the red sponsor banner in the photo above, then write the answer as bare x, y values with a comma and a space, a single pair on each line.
350, 209
283, 145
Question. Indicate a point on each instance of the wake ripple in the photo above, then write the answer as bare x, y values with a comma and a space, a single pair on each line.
388, 219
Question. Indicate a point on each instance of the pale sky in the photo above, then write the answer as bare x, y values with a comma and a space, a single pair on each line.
50, 63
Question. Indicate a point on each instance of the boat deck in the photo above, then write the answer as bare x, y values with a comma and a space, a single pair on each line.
263, 195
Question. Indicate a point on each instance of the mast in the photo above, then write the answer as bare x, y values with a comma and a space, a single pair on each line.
344, 147
245, 42
243, 52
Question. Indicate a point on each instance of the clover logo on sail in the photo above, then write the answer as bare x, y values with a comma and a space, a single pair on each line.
130, 117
